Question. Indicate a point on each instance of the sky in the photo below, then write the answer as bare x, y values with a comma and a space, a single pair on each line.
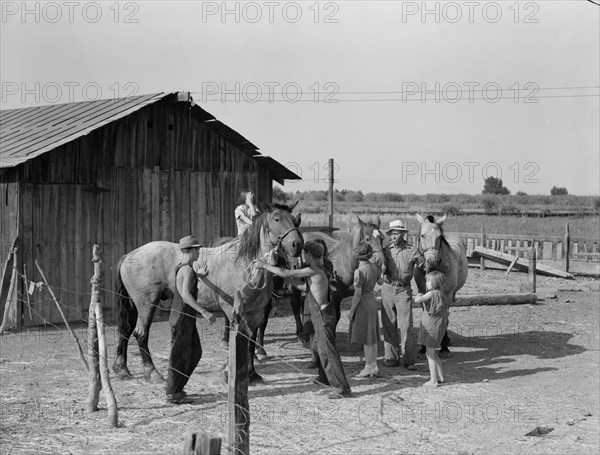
406, 97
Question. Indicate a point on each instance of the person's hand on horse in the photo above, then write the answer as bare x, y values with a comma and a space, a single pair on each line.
202, 270
351, 316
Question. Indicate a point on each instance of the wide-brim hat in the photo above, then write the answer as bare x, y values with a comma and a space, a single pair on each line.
397, 225
189, 241
363, 250
314, 248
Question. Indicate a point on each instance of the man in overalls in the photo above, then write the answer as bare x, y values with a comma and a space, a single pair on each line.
186, 350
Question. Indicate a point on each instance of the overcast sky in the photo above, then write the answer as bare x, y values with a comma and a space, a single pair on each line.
409, 97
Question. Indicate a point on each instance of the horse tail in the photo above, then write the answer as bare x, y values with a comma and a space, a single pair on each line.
125, 306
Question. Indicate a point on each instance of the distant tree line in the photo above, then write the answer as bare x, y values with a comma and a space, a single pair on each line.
491, 202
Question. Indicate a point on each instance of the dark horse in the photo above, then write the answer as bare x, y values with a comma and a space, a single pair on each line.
445, 254
147, 275
341, 254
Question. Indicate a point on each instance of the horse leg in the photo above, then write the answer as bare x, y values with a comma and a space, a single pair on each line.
141, 333
297, 308
127, 320
225, 338
419, 276
261, 354
253, 377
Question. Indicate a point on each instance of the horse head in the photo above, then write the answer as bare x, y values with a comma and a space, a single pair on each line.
369, 232
282, 231
431, 238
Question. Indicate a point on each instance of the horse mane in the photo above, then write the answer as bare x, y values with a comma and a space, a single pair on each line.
250, 241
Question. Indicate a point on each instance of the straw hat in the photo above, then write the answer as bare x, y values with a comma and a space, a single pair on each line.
189, 241
397, 225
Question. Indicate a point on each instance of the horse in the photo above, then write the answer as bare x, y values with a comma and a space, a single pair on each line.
345, 262
147, 275
278, 288
446, 254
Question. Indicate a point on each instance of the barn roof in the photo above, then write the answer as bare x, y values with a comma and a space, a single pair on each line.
29, 132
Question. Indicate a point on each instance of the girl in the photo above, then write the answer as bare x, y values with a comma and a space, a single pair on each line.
364, 320
246, 211
434, 322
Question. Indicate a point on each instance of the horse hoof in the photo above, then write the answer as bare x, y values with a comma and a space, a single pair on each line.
124, 375
154, 377
444, 354
256, 379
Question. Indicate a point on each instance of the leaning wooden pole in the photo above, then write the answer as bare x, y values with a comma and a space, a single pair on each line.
238, 408
8, 289
81, 356
96, 304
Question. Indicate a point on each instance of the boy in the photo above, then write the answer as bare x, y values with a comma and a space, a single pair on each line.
331, 371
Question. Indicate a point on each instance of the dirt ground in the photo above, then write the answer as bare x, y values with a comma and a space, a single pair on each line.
513, 369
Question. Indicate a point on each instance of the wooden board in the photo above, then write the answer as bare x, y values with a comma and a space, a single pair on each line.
521, 264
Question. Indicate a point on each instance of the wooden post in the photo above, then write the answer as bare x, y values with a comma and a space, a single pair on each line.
331, 193
237, 403
567, 247
93, 362
201, 443
532, 267
481, 259
101, 356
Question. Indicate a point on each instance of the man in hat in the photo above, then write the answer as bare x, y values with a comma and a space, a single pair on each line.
322, 312
186, 350
396, 299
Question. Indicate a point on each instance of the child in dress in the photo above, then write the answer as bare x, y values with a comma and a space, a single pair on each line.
364, 319
434, 323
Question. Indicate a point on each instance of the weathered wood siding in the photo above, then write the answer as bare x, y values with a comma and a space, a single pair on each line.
9, 224
158, 174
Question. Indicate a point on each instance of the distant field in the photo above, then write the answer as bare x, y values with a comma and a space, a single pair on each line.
588, 226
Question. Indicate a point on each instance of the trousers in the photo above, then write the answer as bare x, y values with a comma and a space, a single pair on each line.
397, 323
186, 350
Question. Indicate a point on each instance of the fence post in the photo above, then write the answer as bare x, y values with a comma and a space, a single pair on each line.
96, 306
567, 247
201, 443
481, 259
532, 267
237, 403
331, 193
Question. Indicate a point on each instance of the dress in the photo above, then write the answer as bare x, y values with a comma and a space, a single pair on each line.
365, 327
434, 321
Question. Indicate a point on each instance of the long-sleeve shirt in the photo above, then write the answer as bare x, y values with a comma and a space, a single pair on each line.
401, 267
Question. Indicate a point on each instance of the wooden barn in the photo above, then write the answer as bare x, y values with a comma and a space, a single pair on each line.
119, 173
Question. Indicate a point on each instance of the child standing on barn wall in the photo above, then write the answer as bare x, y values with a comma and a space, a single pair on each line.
434, 322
